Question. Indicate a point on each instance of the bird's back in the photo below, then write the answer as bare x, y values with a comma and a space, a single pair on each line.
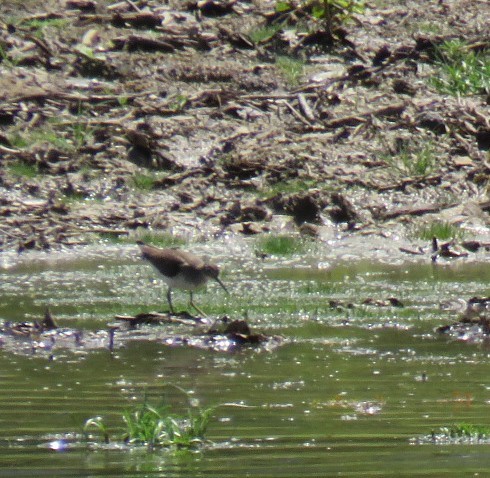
178, 268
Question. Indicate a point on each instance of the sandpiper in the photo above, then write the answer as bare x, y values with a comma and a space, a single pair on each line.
180, 270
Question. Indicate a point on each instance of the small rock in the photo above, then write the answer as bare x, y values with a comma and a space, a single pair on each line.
462, 161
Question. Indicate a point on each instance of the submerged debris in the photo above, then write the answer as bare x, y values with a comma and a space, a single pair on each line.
445, 250
450, 249
157, 318
45, 337
236, 331
48, 323
376, 302
27, 329
223, 335
473, 324
460, 434
390, 302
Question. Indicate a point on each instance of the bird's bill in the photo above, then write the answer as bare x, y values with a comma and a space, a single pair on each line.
218, 280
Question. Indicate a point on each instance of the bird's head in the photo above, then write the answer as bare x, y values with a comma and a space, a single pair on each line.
212, 271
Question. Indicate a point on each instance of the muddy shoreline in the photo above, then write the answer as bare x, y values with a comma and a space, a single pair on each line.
115, 122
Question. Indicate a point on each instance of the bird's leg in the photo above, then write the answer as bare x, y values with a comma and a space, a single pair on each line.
169, 299
195, 306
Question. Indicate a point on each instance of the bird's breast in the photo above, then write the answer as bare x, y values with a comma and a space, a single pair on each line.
187, 279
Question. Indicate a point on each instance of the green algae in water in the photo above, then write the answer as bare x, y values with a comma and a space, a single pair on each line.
346, 392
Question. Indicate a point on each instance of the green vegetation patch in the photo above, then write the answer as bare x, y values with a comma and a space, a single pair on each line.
143, 182
40, 27
467, 430
159, 239
147, 180
7, 60
297, 18
65, 137
291, 69
333, 12
463, 71
75, 197
21, 169
281, 245
462, 433
442, 230
416, 160
157, 426
265, 33
178, 103
288, 187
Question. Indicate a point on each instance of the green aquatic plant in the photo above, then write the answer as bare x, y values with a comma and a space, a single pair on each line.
460, 433
72, 135
73, 197
158, 239
96, 423
157, 426
48, 135
317, 287
467, 430
463, 71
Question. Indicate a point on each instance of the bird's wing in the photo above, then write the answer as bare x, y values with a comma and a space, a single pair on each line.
170, 261
189, 258
166, 262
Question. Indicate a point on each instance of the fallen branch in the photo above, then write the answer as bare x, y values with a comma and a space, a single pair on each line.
44, 95
297, 115
353, 120
434, 179
416, 211
5, 150
305, 108
133, 5
157, 318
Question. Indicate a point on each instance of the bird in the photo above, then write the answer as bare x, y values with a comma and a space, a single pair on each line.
180, 270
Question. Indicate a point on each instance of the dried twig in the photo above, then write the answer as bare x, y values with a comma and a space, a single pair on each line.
305, 108
5, 150
353, 120
297, 115
133, 5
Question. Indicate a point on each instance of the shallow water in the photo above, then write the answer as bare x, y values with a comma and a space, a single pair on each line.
347, 393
